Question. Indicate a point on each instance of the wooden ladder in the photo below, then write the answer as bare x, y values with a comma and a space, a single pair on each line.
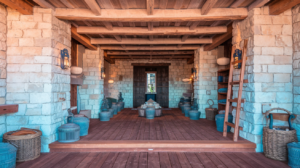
239, 99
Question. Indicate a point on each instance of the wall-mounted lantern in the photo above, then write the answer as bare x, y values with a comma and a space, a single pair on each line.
64, 59
194, 73
102, 73
110, 81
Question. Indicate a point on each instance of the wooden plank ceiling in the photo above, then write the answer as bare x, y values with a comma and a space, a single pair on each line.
152, 29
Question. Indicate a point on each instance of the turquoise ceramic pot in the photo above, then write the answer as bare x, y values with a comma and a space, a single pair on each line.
104, 115
150, 113
194, 114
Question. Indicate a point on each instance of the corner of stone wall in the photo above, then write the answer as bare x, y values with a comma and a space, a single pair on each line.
268, 68
91, 92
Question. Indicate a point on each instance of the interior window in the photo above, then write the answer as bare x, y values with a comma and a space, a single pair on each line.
151, 87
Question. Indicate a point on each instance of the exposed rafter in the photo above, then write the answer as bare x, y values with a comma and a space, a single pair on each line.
67, 3
148, 53
82, 39
155, 30
93, 5
160, 15
186, 47
141, 41
190, 60
236, 3
44, 4
108, 58
208, 5
150, 7
151, 56
219, 39
21, 6
279, 6
257, 4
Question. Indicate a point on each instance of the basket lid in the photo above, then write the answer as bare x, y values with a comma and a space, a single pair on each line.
294, 144
6, 148
69, 125
80, 119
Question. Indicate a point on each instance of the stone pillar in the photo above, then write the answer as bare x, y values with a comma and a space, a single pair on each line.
35, 80
268, 68
296, 66
206, 85
3, 31
91, 92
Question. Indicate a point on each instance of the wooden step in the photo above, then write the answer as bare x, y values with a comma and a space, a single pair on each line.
235, 100
238, 82
233, 125
154, 146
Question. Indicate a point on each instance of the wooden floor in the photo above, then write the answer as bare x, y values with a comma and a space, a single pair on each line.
173, 125
173, 132
152, 160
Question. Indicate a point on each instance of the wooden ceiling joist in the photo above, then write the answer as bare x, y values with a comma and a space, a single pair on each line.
208, 5
93, 5
236, 3
257, 4
278, 6
219, 39
186, 47
157, 41
44, 4
150, 7
160, 15
190, 60
108, 58
82, 39
19, 5
148, 53
155, 30
67, 3
154, 57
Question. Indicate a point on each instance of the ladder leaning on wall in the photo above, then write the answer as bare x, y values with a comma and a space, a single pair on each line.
239, 99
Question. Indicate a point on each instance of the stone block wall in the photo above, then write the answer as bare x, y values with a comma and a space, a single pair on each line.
296, 66
35, 80
91, 92
178, 70
206, 84
268, 68
3, 31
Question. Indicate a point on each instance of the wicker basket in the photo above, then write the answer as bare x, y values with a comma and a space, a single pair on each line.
211, 112
29, 146
275, 141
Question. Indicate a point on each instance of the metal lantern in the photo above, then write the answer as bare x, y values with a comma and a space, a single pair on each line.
102, 73
194, 72
64, 60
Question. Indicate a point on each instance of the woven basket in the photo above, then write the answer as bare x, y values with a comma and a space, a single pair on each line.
275, 141
211, 112
29, 146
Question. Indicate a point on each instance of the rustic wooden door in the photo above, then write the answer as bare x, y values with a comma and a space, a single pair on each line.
139, 86
162, 90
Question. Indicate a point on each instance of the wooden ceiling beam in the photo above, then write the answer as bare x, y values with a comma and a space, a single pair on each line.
156, 41
236, 3
154, 57
108, 58
190, 60
194, 25
160, 15
219, 39
44, 4
184, 38
185, 47
155, 30
257, 4
150, 26
279, 6
82, 39
93, 5
108, 25
118, 38
67, 3
19, 5
148, 53
150, 7
208, 5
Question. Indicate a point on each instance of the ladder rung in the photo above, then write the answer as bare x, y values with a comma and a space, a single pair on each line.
233, 125
238, 61
237, 82
235, 100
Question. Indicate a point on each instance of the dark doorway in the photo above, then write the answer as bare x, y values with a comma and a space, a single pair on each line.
161, 87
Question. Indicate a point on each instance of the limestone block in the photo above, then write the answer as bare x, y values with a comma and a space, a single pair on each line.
272, 50
261, 59
264, 97
14, 51
39, 120
40, 97
280, 68
269, 87
264, 40
287, 29
40, 77
282, 20
296, 81
33, 111
282, 40
263, 77
288, 51
282, 78
12, 42
16, 120
271, 29
31, 50
255, 129
30, 68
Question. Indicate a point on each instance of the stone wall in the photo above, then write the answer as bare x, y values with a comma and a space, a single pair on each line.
296, 66
206, 84
107, 73
268, 68
91, 92
3, 31
35, 80
178, 70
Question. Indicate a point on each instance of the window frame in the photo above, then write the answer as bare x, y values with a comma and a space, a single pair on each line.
151, 72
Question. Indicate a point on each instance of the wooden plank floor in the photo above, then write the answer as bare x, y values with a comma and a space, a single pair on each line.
152, 160
173, 125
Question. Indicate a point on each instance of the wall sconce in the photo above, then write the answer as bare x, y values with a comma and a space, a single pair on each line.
194, 73
110, 81
102, 73
64, 59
